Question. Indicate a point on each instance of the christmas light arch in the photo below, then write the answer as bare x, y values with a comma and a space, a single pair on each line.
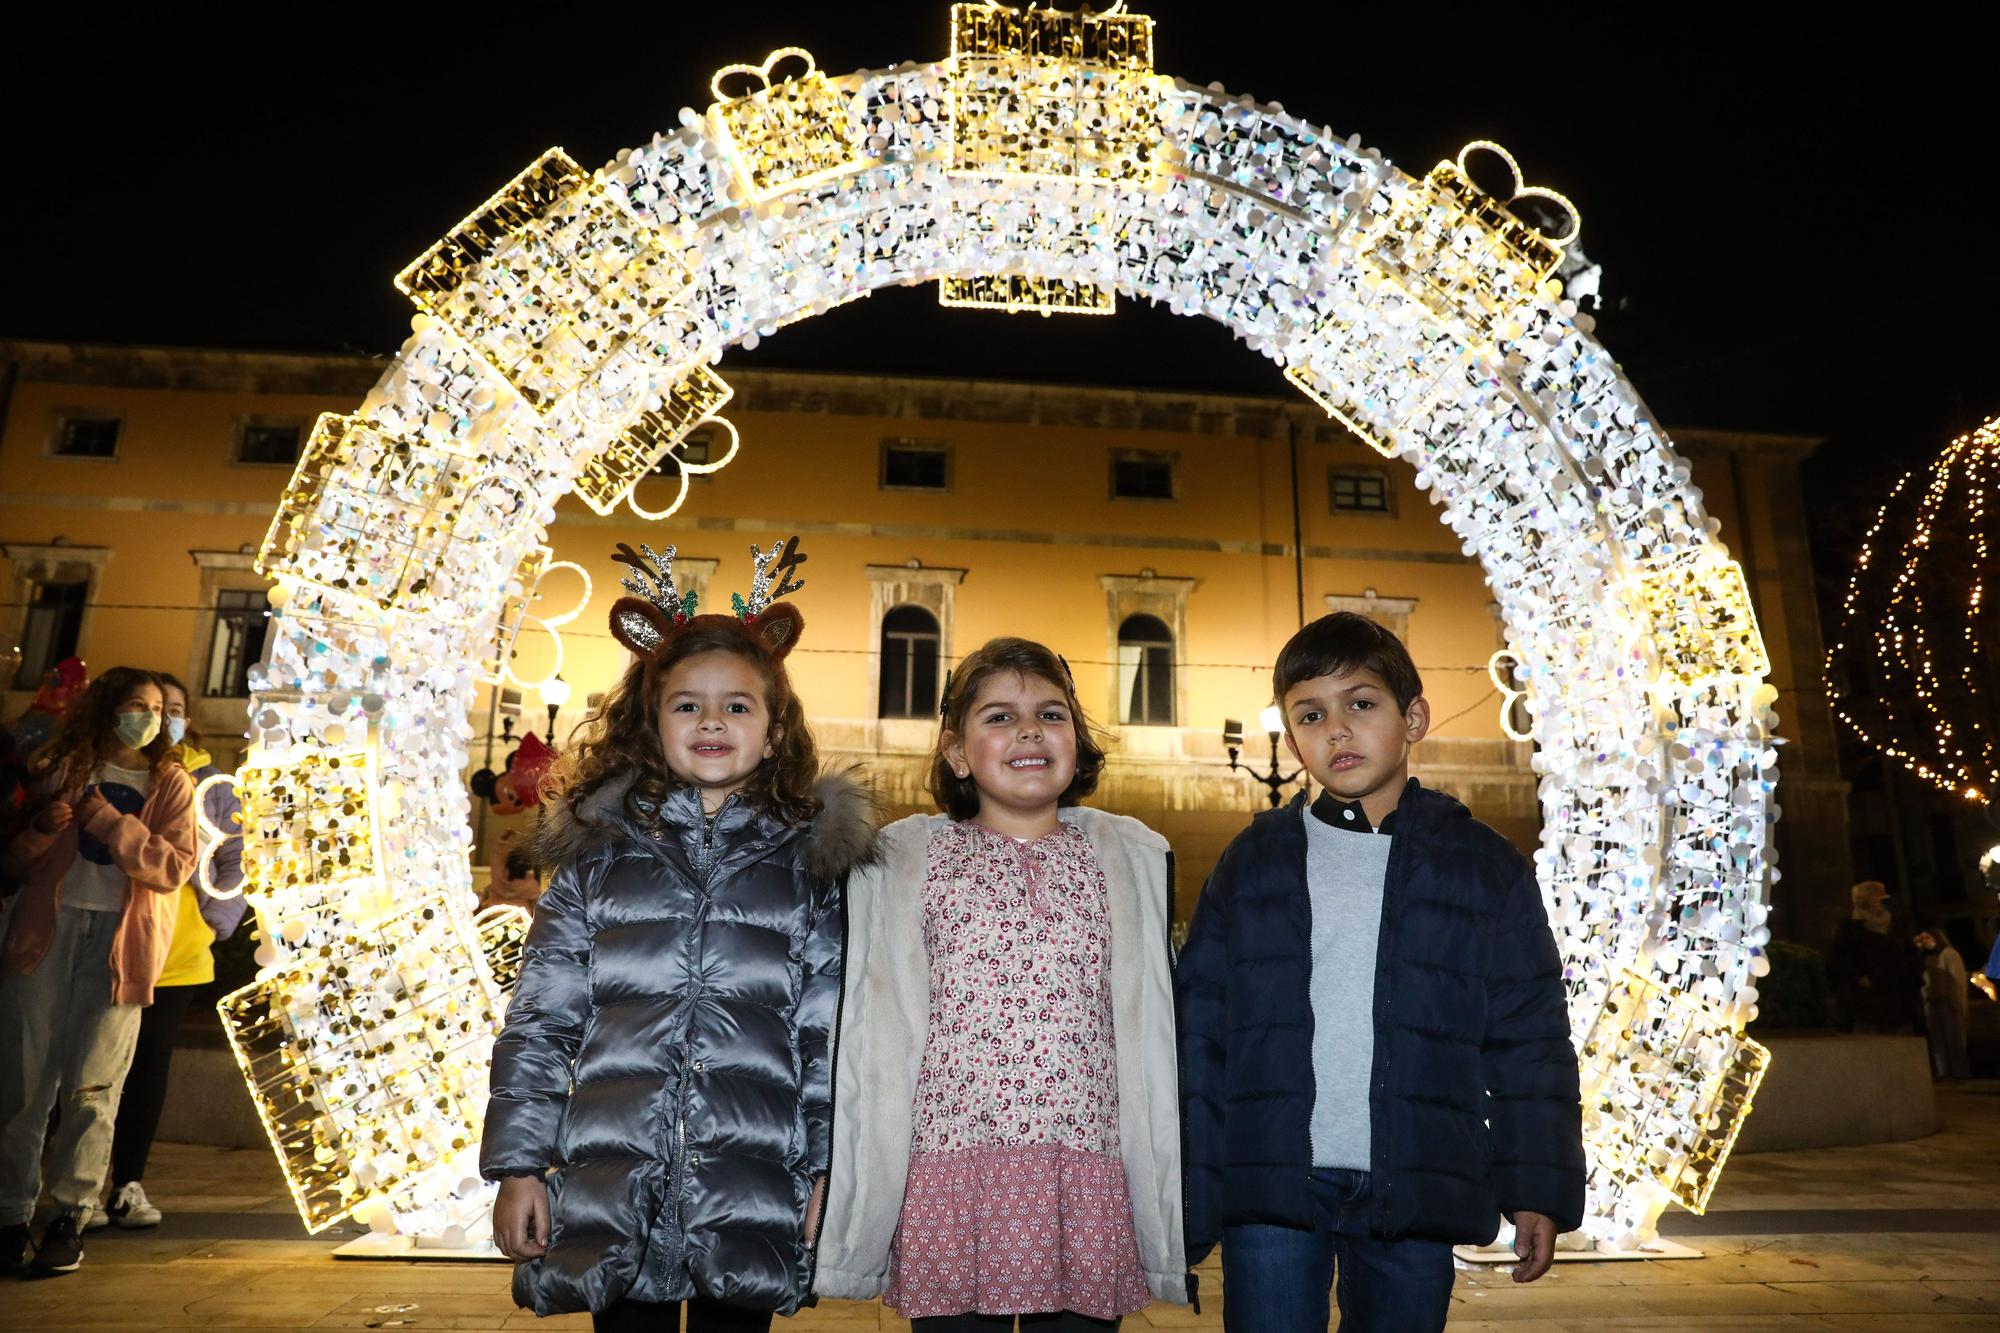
567, 340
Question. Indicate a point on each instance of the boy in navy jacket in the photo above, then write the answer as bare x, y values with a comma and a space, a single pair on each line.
1402, 946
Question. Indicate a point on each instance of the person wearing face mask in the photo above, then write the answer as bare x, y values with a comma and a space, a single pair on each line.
201, 918
110, 843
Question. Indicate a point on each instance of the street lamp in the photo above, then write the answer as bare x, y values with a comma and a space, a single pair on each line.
555, 693
1276, 780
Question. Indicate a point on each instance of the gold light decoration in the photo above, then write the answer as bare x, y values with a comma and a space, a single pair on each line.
1465, 253
373, 514
308, 823
1051, 93
549, 279
609, 476
503, 939
366, 1060
784, 135
1703, 625
1911, 668
1666, 1087
1019, 293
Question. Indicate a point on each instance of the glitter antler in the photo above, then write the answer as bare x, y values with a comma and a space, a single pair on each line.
780, 562
653, 579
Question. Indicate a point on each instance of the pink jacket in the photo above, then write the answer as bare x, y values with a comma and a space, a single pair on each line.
156, 850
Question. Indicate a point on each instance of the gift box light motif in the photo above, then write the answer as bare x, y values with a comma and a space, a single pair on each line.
780, 136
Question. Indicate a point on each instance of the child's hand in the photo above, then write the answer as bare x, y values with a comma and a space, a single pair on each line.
91, 802
521, 1218
814, 1207
54, 818
1534, 1245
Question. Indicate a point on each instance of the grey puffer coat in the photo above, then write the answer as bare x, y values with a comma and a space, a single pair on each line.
665, 1050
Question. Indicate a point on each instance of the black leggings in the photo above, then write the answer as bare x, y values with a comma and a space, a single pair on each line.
703, 1316
146, 1084
1062, 1321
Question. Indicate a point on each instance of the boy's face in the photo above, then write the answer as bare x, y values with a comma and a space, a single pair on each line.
1346, 730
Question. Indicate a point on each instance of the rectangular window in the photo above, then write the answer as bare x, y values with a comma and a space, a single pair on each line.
241, 622
1360, 491
1142, 476
1146, 684
694, 449
50, 630
268, 444
88, 437
915, 465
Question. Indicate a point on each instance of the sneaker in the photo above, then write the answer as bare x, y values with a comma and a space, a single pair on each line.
95, 1218
13, 1245
130, 1207
61, 1250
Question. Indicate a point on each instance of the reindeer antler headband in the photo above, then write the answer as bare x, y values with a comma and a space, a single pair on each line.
656, 613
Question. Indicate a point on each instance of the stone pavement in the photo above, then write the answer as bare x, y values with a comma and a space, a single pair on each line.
1900, 1236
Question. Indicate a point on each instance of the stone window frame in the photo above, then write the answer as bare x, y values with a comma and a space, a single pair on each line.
1171, 457
1164, 597
933, 588
1335, 471
916, 444
53, 562
1392, 613
249, 421
62, 415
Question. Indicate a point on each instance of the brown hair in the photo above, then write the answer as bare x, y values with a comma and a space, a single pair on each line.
190, 734
623, 732
959, 797
1342, 642
89, 731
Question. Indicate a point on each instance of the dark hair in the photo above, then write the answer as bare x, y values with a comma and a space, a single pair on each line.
89, 731
959, 797
1342, 642
190, 734
623, 733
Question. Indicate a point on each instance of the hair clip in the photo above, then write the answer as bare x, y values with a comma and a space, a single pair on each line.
1068, 675
944, 695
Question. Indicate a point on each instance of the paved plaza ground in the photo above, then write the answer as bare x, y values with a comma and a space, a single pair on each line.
1900, 1236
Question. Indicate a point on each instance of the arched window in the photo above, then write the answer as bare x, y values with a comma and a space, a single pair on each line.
1145, 672
910, 640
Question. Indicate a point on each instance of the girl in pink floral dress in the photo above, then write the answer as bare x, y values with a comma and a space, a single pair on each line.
1007, 1136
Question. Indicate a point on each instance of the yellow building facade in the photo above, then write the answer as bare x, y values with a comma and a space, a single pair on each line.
1165, 543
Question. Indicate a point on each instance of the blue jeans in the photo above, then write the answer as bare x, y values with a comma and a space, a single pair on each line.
1276, 1279
61, 1036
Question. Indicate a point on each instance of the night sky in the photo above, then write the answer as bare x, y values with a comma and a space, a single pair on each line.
1785, 220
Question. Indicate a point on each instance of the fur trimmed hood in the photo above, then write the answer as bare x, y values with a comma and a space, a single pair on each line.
840, 839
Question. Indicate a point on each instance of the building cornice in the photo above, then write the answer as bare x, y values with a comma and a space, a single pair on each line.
796, 392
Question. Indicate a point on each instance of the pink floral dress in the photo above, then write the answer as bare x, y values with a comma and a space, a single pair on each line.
1016, 1201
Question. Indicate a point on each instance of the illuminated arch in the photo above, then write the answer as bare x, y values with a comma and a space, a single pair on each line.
569, 331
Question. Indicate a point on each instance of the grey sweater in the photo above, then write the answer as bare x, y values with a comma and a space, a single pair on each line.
1344, 876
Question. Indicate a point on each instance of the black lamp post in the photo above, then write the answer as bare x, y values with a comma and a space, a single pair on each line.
1276, 780
555, 693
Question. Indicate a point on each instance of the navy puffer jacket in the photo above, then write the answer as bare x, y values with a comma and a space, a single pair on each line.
1474, 1109
665, 1049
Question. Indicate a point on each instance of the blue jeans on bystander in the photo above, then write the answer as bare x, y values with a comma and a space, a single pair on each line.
1277, 1279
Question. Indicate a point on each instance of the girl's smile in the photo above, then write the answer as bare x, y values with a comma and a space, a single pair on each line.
715, 724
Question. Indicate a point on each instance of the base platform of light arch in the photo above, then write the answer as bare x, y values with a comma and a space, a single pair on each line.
1503, 1256
416, 1249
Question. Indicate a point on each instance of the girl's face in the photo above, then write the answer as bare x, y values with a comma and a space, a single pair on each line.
130, 718
176, 703
1018, 745
715, 724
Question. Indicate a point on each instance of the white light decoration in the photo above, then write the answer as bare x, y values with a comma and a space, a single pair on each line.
568, 329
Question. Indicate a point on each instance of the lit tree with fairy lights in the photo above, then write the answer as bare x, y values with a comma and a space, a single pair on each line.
1911, 668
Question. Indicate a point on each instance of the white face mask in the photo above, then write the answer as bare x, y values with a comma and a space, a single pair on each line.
138, 729
176, 729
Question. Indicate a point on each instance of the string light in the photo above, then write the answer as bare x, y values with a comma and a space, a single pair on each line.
1910, 668
566, 332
